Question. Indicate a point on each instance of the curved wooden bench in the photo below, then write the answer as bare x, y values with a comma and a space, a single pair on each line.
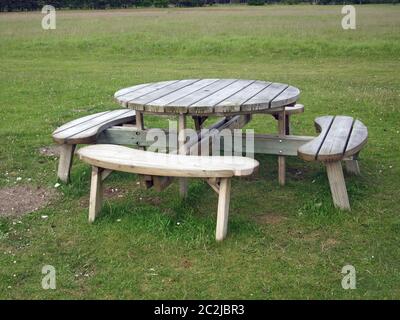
341, 137
85, 131
217, 170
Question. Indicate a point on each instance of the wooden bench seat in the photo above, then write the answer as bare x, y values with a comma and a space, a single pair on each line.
340, 138
85, 130
216, 170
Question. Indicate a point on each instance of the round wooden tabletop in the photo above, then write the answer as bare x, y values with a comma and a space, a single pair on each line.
207, 96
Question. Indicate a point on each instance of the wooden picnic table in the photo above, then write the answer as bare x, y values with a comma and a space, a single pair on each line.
340, 138
236, 100
201, 98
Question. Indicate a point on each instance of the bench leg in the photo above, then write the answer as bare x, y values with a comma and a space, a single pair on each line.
338, 185
96, 193
352, 167
65, 162
223, 208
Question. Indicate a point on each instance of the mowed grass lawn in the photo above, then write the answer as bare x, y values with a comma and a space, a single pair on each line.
283, 242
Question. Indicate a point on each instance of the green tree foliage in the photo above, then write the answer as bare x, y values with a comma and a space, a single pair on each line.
161, 3
256, 2
29, 5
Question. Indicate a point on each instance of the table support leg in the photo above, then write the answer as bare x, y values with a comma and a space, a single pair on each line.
287, 124
183, 182
281, 159
146, 182
198, 122
139, 120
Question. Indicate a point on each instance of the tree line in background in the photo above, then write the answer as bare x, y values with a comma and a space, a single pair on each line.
29, 5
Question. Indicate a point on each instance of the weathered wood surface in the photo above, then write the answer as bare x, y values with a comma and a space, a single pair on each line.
207, 96
358, 138
223, 209
214, 183
198, 122
160, 183
263, 143
337, 185
65, 162
235, 101
125, 136
85, 130
289, 110
204, 140
281, 158
294, 109
126, 159
277, 145
140, 90
336, 139
146, 182
352, 167
340, 137
96, 193
216, 170
183, 183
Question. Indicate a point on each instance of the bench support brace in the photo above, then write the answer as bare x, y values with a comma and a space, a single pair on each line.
352, 166
105, 173
214, 183
160, 183
198, 122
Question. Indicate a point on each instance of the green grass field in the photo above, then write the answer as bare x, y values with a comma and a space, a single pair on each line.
283, 242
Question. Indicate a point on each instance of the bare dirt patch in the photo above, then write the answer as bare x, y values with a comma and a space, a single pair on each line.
328, 244
187, 264
19, 200
270, 218
50, 151
298, 173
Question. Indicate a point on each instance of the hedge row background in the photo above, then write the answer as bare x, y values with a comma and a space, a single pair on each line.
23, 5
